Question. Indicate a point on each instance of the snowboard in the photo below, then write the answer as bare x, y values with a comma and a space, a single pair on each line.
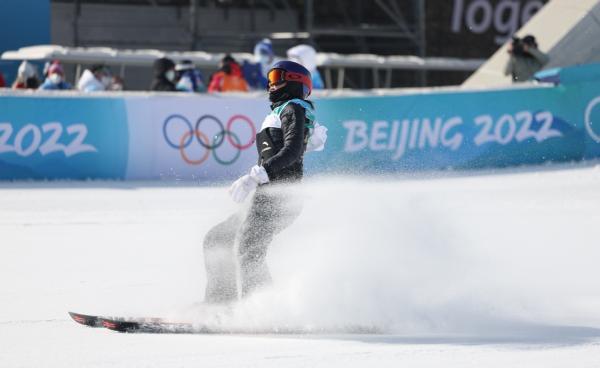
138, 325
165, 326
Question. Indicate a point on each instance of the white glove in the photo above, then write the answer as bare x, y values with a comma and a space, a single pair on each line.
240, 189
317, 139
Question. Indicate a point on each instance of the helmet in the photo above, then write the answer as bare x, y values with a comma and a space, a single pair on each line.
289, 71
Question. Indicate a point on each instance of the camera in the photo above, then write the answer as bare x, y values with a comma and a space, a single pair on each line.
518, 48
518, 45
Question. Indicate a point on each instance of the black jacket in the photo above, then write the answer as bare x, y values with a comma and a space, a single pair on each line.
160, 82
281, 151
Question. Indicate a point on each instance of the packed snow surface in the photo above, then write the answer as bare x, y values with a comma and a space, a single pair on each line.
495, 270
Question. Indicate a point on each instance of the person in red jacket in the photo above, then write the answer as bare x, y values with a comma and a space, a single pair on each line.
229, 77
2, 81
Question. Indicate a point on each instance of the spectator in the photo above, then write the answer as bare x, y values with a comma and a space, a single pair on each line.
525, 59
47, 66
189, 79
94, 79
306, 55
55, 79
255, 72
2, 81
117, 84
27, 77
229, 77
164, 75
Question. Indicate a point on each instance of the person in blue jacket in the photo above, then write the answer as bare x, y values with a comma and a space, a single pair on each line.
285, 135
55, 79
189, 78
255, 72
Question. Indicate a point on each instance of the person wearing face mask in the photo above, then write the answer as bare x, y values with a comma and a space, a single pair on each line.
117, 84
255, 72
55, 79
229, 78
96, 78
164, 75
286, 134
189, 78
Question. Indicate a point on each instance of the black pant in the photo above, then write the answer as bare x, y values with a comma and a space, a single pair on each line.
271, 212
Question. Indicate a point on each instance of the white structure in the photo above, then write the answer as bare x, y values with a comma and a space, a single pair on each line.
328, 61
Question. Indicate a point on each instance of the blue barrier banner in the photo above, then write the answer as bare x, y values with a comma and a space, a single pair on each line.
460, 130
62, 138
587, 101
211, 137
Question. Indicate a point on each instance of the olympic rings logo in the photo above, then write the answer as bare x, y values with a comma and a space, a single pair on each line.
589, 121
193, 133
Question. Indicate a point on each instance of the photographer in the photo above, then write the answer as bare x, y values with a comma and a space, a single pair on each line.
525, 59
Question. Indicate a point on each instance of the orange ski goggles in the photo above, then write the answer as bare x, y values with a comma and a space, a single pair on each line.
278, 76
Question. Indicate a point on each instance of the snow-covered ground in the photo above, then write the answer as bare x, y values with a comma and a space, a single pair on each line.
475, 271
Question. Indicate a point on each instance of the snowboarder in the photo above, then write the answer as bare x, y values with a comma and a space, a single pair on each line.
286, 134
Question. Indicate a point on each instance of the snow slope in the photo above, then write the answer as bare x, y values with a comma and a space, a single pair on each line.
490, 270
